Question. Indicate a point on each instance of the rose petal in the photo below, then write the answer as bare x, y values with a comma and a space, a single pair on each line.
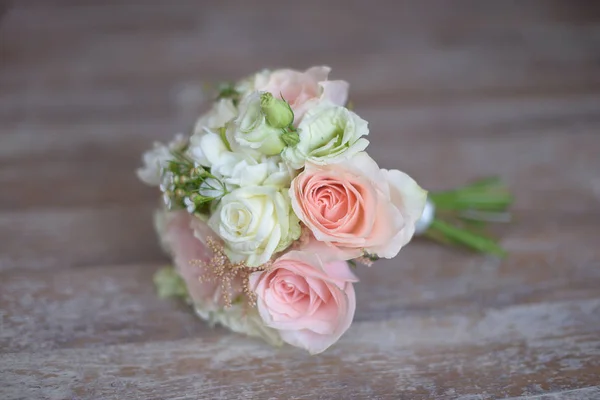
335, 92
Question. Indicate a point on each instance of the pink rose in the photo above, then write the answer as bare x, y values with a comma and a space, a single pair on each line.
185, 237
355, 207
309, 300
301, 88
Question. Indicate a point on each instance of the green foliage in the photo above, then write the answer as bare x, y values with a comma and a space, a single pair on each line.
169, 284
227, 90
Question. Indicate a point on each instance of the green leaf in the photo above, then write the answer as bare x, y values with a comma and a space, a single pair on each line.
169, 284
227, 91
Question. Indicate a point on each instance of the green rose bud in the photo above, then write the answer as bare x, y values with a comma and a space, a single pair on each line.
290, 138
277, 112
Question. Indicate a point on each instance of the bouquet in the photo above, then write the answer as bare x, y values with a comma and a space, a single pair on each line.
272, 200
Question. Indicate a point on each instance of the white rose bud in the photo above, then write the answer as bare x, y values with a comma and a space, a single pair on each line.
251, 129
255, 222
328, 134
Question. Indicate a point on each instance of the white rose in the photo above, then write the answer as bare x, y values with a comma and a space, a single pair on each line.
328, 134
237, 168
213, 188
209, 150
271, 171
154, 160
218, 116
250, 129
255, 222
247, 85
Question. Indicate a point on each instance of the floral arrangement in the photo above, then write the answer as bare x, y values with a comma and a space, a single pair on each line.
272, 201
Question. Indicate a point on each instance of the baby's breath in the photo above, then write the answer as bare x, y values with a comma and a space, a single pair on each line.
219, 268
185, 184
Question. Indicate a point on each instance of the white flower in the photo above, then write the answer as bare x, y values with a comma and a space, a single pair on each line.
238, 168
212, 188
209, 150
255, 222
328, 134
154, 160
250, 129
271, 171
190, 206
218, 116
247, 85
167, 200
167, 181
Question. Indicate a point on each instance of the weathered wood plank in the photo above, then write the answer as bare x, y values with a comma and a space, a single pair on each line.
78, 237
141, 93
476, 88
402, 59
82, 307
507, 352
592, 392
90, 307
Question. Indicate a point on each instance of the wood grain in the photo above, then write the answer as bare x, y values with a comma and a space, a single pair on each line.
451, 93
78, 237
116, 304
420, 357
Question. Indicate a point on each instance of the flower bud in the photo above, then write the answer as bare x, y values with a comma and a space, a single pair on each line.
290, 138
277, 112
197, 171
251, 128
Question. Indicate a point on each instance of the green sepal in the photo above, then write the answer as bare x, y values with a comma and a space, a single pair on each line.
222, 134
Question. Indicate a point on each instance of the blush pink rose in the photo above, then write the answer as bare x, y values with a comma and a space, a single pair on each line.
308, 299
185, 237
302, 89
355, 207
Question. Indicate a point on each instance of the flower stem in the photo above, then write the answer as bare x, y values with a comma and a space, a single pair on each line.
462, 236
487, 194
472, 206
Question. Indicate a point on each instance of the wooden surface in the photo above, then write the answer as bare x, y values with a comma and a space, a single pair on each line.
452, 92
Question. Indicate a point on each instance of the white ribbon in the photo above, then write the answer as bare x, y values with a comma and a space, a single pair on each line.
426, 218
